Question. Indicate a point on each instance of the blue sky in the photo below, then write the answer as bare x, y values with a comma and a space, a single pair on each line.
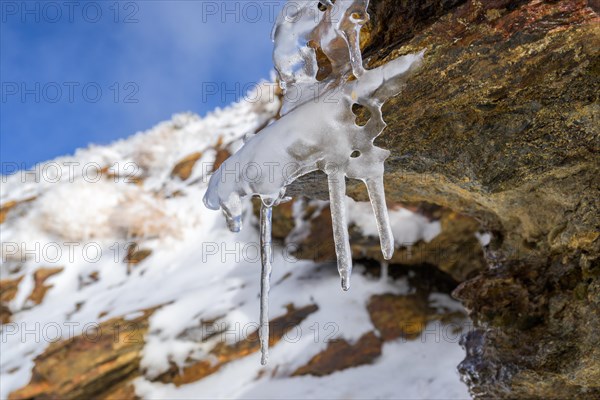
81, 72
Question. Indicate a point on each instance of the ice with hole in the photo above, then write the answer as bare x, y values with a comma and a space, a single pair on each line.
318, 60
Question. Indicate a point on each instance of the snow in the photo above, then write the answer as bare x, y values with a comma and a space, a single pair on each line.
407, 227
85, 226
408, 370
484, 238
199, 271
86, 209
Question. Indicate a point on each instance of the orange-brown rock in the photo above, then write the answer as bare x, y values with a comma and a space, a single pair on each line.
183, 169
500, 123
223, 352
456, 250
9, 205
283, 218
129, 177
222, 155
340, 355
406, 316
318, 245
135, 255
397, 316
40, 276
5, 314
9, 288
100, 363
5, 208
8, 291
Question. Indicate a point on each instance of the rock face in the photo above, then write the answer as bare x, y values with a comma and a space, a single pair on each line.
340, 355
101, 363
223, 353
183, 169
497, 132
502, 124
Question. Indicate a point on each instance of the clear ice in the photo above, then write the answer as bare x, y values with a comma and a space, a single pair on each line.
265, 276
318, 60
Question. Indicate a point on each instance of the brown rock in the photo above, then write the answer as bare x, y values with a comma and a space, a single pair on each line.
396, 316
9, 205
40, 289
455, 250
222, 155
9, 288
501, 124
5, 314
8, 291
340, 355
135, 255
101, 363
318, 245
283, 218
132, 176
183, 169
5, 208
223, 353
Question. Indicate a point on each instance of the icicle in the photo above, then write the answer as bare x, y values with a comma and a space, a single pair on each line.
265, 275
377, 196
317, 130
384, 271
337, 198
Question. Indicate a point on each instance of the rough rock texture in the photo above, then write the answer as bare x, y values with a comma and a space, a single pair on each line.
4, 209
183, 169
8, 291
498, 131
393, 316
455, 251
223, 352
40, 276
135, 255
340, 355
12, 205
502, 124
101, 363
399, 316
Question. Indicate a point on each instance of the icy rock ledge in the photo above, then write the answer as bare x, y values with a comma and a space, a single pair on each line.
317, 131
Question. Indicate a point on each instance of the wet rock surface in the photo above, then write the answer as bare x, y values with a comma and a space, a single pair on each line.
501, 124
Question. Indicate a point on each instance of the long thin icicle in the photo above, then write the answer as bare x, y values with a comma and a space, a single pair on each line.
265, 276
337, 198
377, 196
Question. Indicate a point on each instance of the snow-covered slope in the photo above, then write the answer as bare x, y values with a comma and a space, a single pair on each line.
77, 216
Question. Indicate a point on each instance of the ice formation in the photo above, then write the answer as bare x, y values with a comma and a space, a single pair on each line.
317, 56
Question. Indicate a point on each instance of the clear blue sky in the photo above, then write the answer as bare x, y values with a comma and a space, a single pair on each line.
81, 72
